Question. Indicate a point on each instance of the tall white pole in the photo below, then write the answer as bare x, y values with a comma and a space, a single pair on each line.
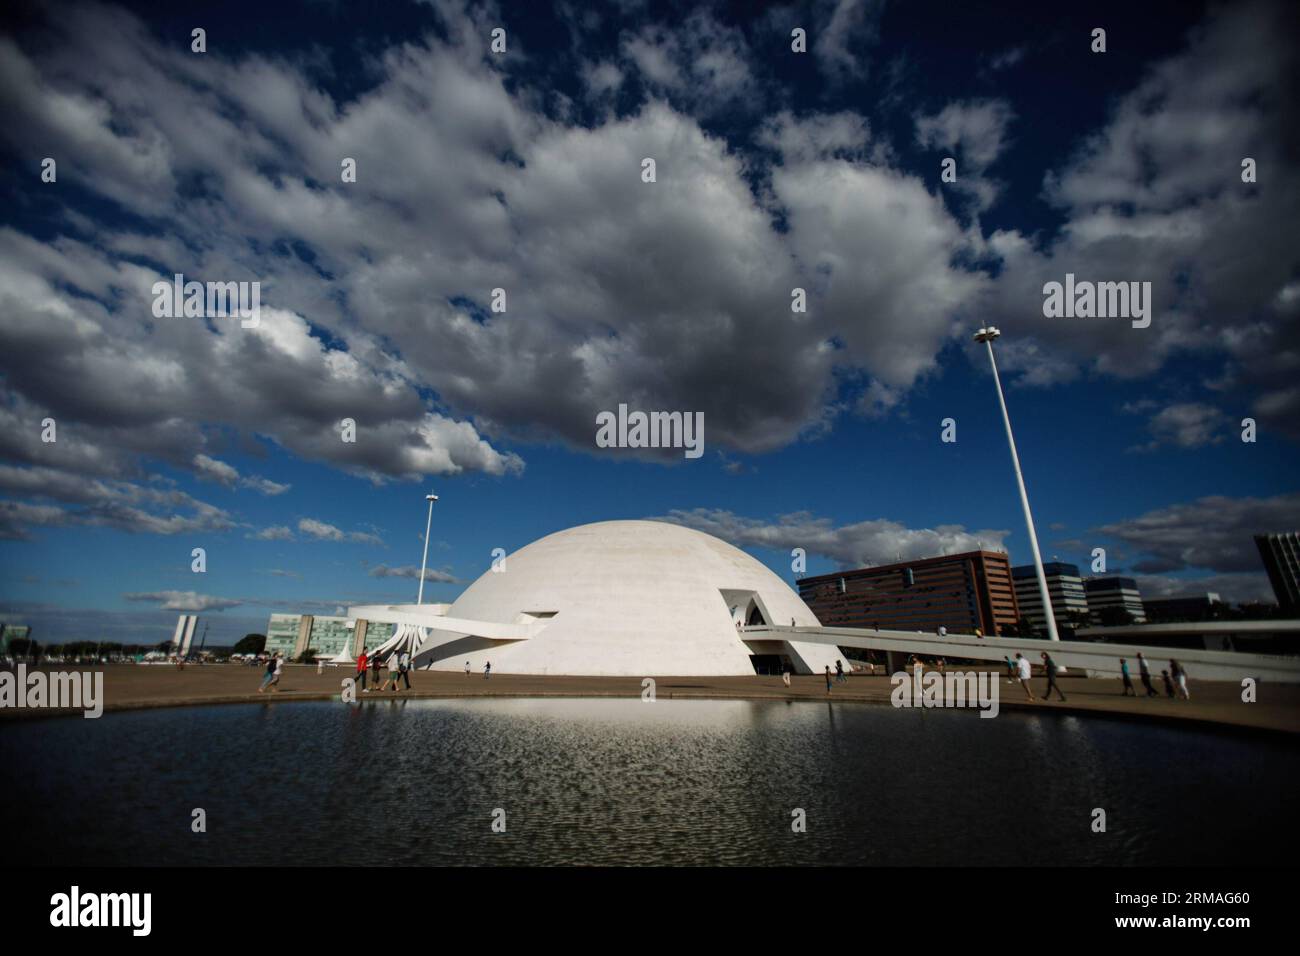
424, 563
1024, 503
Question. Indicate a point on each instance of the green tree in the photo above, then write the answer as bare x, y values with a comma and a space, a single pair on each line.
1114, 617
251, 644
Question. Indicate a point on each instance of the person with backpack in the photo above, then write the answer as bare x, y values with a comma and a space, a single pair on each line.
278, 663
405, 665
269, 675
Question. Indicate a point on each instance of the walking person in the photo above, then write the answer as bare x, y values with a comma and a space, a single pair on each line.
487, 670
374, 670
839, 671
1049, 667
1169, 685
1011, 669
1180, 678
467, 668
268, 676
828, 679
1025, 670
785, 674
1128, 681
320, 666
1144, 671
394, 670
362, 661
405, 664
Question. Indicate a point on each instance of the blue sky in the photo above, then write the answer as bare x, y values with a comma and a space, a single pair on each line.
522, 171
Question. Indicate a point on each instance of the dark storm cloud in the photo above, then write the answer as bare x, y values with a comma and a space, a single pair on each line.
1213, 533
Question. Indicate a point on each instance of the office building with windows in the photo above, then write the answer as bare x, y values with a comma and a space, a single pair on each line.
960, 592
1105, 594
1064, 588
1281, 556
293, 634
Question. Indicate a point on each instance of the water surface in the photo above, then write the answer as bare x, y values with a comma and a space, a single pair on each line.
628, 782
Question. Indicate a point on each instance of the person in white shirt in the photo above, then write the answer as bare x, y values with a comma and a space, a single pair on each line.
1024, 670
279, 670
394, 671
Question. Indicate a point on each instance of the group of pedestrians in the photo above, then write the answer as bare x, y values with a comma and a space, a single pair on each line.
1024, 671
271, 678
399, 669
1175, 679
840, 676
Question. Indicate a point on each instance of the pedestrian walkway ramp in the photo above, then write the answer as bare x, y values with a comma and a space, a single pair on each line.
1095, 659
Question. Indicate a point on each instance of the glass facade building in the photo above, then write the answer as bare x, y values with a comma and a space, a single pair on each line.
282, 634
329, 636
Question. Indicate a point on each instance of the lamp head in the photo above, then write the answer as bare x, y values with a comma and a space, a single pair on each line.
430, 497
987, 334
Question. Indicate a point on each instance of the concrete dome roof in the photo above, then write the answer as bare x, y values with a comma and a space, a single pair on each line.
633, 598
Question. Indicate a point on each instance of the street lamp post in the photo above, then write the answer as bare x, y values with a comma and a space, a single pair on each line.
431, 498
986, 335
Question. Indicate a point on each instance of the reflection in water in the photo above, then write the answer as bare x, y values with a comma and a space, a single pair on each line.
597, 781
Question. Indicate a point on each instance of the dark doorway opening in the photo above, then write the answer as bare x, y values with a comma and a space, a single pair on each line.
768, 664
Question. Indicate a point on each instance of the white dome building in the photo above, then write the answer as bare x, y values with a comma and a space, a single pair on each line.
630, 598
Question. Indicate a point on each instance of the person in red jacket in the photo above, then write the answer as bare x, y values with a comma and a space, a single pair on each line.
361, 668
